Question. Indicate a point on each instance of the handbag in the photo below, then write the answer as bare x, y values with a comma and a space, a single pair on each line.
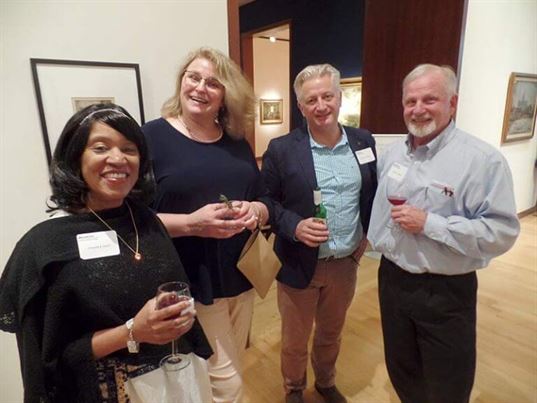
188, 385
258, 262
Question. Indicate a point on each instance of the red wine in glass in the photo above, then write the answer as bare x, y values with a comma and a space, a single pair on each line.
397, 200
170, 294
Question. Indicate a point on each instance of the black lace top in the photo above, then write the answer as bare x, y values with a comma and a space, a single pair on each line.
54, 301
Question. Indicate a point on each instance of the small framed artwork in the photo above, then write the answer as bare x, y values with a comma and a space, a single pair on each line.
351, 98
271, 111
63, 87
80, 103
520, 108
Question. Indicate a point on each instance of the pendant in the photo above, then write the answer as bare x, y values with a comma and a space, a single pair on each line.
137, 256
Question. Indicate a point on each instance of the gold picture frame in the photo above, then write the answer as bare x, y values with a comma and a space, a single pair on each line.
271, 111
520, 108
351, 98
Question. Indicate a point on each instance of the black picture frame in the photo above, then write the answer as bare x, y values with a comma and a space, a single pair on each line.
58, 82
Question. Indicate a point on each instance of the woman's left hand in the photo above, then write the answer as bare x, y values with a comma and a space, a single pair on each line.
247, 213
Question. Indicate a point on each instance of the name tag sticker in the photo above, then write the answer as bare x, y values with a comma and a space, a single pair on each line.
365, 156
93, 245
397, 171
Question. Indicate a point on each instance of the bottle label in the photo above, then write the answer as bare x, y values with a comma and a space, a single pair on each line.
317, 197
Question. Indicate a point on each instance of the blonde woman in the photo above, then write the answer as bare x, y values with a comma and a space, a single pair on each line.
199, 153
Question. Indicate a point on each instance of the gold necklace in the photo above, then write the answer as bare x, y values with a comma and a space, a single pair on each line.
194, 137
137, 255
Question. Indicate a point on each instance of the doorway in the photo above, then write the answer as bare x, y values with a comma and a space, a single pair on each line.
266, 61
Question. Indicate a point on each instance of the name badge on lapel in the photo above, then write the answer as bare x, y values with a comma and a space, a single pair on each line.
93, 245
365, 156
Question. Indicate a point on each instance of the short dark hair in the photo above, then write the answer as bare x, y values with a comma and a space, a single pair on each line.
69, 190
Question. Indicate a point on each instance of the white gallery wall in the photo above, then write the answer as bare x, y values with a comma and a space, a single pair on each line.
154, 34
500, 38
271, 81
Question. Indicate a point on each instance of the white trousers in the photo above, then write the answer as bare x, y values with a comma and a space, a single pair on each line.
226, 324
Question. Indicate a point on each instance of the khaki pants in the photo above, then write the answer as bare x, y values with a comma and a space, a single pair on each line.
226, 324
325, 301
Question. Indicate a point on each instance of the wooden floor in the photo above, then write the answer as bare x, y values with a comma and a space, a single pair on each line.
507, 336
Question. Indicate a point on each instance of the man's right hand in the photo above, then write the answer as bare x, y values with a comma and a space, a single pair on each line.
311, 232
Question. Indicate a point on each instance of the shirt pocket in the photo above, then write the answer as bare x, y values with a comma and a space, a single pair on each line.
439, 197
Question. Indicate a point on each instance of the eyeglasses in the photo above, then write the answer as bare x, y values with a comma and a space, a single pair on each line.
193, 78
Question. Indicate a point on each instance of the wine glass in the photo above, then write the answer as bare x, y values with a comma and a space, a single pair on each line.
169, 294
396, 193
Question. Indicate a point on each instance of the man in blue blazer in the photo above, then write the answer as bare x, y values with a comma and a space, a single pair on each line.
317, 279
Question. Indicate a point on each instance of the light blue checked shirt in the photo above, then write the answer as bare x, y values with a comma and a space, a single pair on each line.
338, 177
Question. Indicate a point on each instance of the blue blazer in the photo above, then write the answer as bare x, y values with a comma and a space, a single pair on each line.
289, 174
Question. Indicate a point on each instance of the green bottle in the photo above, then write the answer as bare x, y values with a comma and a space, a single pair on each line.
319, 212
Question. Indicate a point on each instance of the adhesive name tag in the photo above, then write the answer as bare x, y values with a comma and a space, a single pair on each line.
397, 171
93, 245
365, 156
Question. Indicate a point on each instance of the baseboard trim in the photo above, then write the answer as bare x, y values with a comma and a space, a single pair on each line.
527, 212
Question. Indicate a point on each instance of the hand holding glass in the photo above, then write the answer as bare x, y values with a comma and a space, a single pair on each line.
169, 294
396, 193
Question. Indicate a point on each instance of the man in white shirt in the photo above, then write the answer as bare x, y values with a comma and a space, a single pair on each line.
452, 211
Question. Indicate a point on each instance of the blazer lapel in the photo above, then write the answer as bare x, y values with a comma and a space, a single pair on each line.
354, 142
304, 156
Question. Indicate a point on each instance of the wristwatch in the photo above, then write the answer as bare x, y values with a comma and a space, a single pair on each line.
132, 345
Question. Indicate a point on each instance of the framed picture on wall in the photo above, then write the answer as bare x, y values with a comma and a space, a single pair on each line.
63, 87
520, 108
80, 103
271, 111
351, 98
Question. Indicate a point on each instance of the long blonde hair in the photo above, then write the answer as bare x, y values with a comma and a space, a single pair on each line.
238, 113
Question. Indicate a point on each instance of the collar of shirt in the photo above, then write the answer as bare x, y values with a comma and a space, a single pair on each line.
342, 141
433, 146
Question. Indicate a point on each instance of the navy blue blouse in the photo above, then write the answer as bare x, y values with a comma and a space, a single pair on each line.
190, 175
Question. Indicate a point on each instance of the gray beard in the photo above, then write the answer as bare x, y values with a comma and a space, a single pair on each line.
421, 131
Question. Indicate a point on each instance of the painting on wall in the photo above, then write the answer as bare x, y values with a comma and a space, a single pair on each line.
351, 98
520, 108
63, 87
80, 103
271, 111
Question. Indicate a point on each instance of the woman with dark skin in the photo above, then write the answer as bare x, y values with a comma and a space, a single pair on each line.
79, 289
